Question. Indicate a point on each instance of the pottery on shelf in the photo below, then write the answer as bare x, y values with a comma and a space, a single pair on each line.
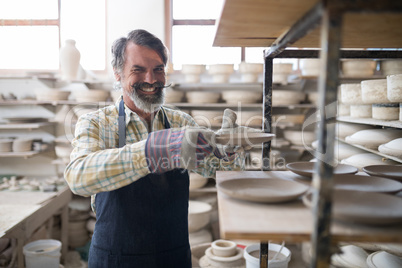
220, 72
344, 129
207, 118
350, 256
200, 237
366, 159
51, 94
91, 95
297, 137
69, 60
372, 138
198, 215
280, 72
286, 97
358, 68
361, 111
389, 67
343, 109
310, 67
202, 97
197, 181
393, 148
374, 91
385, 111
351, 94
172, 96
22, 145
6, 145
250, 71
237, 96
394, 88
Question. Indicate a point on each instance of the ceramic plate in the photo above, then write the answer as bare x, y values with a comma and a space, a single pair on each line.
366, 183
386, 171
307, 168
244, 139
263, 190
364, 207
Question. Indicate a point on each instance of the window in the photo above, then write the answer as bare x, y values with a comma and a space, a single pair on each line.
191, 29
31, 36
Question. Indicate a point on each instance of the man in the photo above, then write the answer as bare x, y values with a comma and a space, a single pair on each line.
132, 159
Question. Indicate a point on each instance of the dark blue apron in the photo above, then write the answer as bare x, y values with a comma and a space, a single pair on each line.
143, 224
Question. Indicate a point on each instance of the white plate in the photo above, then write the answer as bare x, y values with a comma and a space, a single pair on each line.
364, 207
387, 171
244, 139
366, 183
263, 190
307, 168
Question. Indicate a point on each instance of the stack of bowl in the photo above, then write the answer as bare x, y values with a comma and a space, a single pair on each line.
220, 72
280, 73
198, 220
192, 72
250, 71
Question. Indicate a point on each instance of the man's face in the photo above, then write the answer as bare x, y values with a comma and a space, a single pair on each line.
142, 69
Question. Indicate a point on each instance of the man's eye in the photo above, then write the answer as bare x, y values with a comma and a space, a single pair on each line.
159, 70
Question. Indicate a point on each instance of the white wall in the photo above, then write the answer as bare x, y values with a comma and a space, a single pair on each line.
124, 16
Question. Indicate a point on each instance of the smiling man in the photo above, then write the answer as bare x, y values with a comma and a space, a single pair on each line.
133, 159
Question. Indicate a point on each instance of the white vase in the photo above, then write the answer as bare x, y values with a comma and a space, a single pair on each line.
69, 60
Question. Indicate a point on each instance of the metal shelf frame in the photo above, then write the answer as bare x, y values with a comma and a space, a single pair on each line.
328, 14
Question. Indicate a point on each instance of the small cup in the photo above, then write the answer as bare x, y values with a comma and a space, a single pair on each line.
224, 248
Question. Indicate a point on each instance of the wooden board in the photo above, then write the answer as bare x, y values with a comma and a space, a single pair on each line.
12, 214
291, 221
258, 23
25, 197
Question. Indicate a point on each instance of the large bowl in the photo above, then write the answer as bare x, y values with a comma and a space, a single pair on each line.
197, 181
198, 215
202, 97
91, 95
237, 96
286, 97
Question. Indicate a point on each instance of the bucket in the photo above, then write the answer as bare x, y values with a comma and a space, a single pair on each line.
254, 261
42, 254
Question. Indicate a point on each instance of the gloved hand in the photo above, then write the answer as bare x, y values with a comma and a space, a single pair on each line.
179, 148
229, 126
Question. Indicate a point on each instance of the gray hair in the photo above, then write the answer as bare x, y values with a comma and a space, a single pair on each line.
139, 37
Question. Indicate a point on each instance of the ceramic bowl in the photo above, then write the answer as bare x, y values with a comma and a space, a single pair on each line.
310, 67
358, 68
22, 145
300, 137
361, 111
224, 248
350, 256
6, 145
389, 67
296, 119
343, 109
173, 96
197, 181
344, 129
282, 68
372, 138
250, 118
380, 259
367, 159
198, 215
387, 111
51, 95
91, 95
393, 148
245, 67
286, 97
192, 69
220, 69
252, 252
374, 91
239, 96
202, 97
351, 94
394, 88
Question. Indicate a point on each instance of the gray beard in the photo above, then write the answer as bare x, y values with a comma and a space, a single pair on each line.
148, 103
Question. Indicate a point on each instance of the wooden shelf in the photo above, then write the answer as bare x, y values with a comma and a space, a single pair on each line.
370, 121
256, 23
292, 221
26, 125
396, 159
20, 154
54, 103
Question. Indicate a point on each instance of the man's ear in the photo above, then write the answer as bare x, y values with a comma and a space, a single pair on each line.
116, 75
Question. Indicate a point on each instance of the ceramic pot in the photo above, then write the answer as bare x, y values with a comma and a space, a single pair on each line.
198, 215
394, 88
386, 111
69, 60
361, 111
374, 91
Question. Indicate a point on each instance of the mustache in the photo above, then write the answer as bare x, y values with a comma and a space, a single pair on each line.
142, 85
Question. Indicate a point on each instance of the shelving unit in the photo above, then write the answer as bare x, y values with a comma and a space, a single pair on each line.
344, 24
370, 121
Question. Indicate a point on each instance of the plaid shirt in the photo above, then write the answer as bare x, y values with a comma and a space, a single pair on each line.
97, 165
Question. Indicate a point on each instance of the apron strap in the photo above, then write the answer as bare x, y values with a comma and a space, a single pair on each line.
122, 123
